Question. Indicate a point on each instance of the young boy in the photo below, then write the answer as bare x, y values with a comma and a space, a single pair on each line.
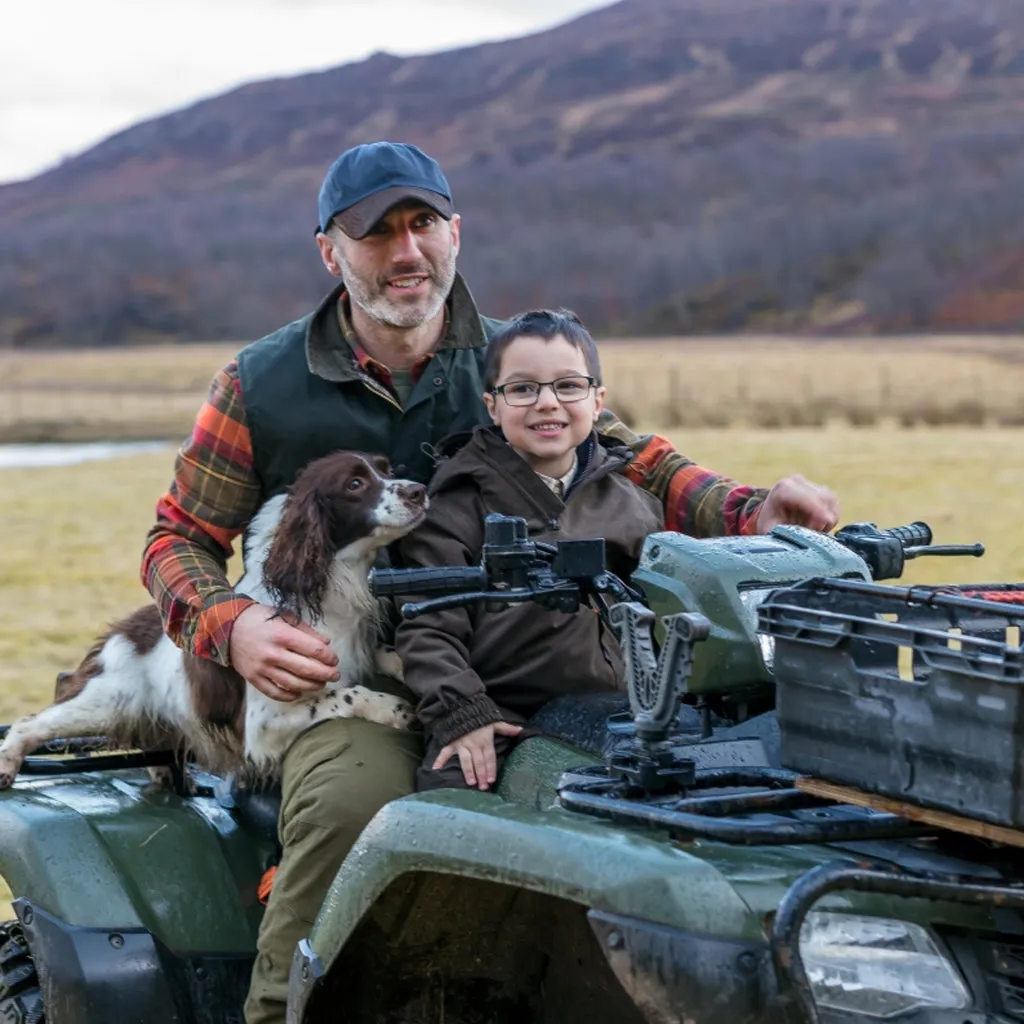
480, 674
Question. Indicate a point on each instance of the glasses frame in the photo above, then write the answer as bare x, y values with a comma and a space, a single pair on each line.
542, 384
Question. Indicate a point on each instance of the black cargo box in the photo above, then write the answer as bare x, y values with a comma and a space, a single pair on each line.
913, 693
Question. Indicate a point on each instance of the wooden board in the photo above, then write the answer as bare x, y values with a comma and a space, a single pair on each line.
913, 812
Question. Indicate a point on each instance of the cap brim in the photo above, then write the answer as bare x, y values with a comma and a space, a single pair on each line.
357, 220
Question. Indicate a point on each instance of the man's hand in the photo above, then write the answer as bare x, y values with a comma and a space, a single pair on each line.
476, 753
283, 658
794, 499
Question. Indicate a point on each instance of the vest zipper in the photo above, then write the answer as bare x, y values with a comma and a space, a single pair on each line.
379, 389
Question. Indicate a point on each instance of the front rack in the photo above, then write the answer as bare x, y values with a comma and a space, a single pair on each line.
753, 816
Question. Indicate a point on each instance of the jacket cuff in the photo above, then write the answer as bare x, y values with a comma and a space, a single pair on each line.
463, 718
748, 522
212, 638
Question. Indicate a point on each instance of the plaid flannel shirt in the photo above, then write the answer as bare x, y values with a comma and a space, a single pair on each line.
215, 494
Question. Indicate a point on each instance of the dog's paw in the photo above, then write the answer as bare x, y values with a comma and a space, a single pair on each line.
8, 772
389, 663
403, 716
161, 779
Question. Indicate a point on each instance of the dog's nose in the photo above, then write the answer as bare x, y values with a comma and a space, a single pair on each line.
414, 494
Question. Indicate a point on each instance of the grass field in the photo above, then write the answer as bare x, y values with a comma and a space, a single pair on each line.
695, 382
73, 535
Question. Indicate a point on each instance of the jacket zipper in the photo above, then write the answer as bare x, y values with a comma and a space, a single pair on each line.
380, 390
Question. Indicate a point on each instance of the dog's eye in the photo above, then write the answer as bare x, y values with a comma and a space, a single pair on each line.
355, 484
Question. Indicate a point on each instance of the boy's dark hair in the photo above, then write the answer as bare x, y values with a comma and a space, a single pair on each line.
541, 323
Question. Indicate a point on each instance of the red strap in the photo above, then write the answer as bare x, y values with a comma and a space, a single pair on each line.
1003, 596
266, 884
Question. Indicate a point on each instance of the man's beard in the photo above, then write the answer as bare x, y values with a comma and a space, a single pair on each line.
372, 299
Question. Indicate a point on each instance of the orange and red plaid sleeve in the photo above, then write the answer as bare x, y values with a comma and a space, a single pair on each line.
697, 501
212, 498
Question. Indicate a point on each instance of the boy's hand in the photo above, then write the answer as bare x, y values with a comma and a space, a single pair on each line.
476, 753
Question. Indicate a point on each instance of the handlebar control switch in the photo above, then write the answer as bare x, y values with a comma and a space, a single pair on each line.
884, 551
579, 559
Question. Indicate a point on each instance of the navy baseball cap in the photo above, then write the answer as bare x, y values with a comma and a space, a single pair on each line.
367, 180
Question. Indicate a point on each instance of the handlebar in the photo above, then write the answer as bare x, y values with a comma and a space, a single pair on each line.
886, 551
443, 580
512, 569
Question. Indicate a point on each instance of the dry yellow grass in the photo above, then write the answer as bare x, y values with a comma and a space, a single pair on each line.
683, 382
805, 382
72, 536
106, 394
169, 368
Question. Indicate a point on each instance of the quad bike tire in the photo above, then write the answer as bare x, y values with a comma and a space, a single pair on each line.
21, 1001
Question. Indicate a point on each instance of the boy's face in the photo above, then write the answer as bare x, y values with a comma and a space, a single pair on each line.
548, 431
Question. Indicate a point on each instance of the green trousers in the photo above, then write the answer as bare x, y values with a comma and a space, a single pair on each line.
335, 778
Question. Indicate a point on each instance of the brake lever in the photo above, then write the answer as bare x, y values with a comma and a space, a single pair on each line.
414, 609
609, 583
970, 550
559, 597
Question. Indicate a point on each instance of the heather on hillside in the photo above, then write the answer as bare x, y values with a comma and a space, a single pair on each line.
663, 166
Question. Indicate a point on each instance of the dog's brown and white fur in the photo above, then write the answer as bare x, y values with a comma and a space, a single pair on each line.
308, 553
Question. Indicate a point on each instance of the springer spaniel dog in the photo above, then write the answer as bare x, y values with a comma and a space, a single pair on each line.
308, 553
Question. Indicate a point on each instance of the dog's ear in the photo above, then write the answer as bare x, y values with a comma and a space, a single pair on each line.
298, 564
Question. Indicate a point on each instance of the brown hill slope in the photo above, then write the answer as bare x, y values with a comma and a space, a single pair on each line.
658, 164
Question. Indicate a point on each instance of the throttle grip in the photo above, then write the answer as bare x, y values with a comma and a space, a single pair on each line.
914, 535
444, 580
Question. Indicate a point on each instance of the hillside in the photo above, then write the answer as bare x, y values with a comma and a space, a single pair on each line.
660, 165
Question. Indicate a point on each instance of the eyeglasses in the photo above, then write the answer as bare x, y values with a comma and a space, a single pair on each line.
527, 392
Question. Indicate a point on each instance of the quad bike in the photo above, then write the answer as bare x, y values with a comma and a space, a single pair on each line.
644, 858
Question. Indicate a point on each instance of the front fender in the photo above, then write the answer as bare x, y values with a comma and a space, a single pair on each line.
102, 850
553, 852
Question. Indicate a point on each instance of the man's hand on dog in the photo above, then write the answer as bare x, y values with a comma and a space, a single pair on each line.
282, 657
476, 753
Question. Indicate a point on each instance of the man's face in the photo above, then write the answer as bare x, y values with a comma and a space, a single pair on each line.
401, 273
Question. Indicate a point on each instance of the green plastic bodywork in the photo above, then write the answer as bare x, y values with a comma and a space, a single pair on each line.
719, 890
724, 579
101, 850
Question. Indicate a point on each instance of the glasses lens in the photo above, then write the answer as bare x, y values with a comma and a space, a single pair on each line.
522, 392
572, 389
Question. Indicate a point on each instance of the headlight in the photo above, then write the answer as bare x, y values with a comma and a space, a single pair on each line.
877, 967
751, 600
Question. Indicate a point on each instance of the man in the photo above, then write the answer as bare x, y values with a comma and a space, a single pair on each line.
390, 362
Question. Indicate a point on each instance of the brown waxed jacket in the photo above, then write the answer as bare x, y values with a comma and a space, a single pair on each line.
466, 664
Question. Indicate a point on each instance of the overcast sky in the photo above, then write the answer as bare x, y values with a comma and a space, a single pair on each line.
74, 71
